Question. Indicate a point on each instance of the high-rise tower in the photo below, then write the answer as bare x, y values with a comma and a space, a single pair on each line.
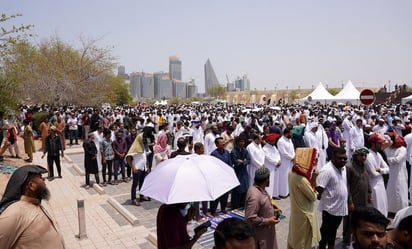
175, 68
210, 76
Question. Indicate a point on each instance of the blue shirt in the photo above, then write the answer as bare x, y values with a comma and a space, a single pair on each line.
223, 156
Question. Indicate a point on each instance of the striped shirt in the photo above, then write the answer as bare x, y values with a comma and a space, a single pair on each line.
334, 198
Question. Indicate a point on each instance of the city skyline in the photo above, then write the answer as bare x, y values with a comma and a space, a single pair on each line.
276, 44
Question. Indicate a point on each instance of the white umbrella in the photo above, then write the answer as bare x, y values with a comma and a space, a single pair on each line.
189, 178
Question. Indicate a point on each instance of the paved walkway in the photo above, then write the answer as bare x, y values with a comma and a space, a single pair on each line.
111, 222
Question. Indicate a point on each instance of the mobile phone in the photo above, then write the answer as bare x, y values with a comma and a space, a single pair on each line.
201, 226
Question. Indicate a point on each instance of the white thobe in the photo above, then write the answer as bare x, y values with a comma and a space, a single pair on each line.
197, 134
311, 141
272, 159
380, 129
323, 144
210, 145
379, 199
287, 153
98, 139
257, 160
356, 140
347, 127
408, 140
397, 189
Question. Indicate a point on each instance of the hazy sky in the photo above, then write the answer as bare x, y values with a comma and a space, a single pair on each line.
276, 43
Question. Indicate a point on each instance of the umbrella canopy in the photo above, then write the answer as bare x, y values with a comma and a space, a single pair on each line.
189, 178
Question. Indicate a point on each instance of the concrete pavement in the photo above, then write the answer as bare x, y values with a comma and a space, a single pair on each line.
111, 222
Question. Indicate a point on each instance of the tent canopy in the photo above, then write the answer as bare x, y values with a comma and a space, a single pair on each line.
320, 94
406, 100
349, 93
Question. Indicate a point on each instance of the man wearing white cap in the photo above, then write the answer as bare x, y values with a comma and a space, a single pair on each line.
356, 139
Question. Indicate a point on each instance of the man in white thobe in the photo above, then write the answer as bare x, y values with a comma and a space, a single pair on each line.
287, 154
272, 162
197, 132
376, 167
397, 189
256, 155
347, 127
356, 138
323, 144
98, 139
210, 137
408, 140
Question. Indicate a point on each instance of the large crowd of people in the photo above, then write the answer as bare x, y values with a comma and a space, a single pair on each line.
363, 156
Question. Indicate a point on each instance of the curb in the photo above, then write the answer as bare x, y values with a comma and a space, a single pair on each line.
99, 189
152, 238
123, 211
77, 169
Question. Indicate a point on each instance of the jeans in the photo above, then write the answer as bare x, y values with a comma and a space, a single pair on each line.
73, 134
107, 167
119, 164
138, 179
50, 160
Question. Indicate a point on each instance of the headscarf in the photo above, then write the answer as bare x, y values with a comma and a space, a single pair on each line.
137, 146
161, 145
397, 140
361, 150
14, 186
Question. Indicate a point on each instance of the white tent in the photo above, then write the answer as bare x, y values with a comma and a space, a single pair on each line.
348, 94
406, 100
320, 94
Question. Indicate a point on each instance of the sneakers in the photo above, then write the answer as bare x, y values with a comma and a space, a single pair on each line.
136, 202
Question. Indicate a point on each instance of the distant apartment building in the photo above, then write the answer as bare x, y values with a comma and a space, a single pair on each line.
191, 89
136, 85
157, 78
210, 76
242, 83
147, 83
230, 87
165, 88
161, 84
179, 89
175, 68
121, 72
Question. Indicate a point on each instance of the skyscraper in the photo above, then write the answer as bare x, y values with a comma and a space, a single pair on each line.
175, 68
210, 76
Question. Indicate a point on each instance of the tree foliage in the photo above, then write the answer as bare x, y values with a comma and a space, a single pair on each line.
9, 36
118, 92
216, 91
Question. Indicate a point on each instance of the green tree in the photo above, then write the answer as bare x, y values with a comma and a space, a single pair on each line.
55, 72
9, 35
118, 92
216, 91
333, 91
